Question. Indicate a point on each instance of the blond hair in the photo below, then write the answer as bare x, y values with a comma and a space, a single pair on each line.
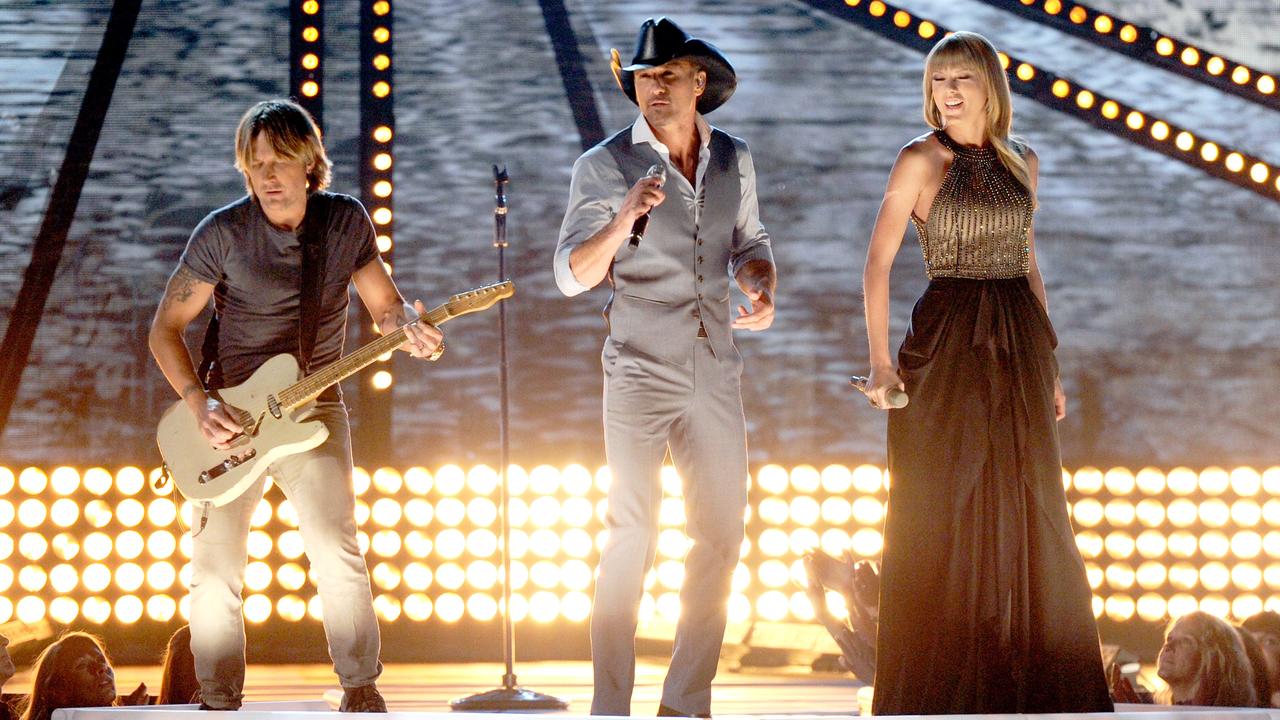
972, 51
1224, 677
293, 135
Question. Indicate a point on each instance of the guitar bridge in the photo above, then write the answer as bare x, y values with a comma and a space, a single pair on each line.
223, 467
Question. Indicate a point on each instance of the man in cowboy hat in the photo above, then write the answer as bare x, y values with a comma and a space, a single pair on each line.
672, 373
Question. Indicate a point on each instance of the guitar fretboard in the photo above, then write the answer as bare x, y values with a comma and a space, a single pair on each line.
310, 387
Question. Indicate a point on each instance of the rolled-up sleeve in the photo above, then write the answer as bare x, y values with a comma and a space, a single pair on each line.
750, 239
596, 191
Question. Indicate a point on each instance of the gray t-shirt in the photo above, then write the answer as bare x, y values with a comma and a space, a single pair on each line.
256, 269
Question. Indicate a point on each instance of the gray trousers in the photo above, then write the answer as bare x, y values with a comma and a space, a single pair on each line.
318, 483
697, 411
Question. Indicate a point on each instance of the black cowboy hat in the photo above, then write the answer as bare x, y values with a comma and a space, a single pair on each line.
662, 41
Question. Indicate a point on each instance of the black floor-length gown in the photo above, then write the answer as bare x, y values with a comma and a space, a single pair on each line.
984, 604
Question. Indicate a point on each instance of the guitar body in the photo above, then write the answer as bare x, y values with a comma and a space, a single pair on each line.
203, 474
267, 403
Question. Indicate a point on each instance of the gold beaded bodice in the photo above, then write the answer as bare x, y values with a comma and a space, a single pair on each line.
979, 221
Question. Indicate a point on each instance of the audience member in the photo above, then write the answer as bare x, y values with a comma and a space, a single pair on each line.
1258, 666
1265, 628
178, 683
1203, 660
74, 671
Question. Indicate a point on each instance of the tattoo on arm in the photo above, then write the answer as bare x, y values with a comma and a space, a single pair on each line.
180, 288
193, 387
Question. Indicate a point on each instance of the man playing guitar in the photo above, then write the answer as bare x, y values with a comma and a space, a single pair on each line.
248, 256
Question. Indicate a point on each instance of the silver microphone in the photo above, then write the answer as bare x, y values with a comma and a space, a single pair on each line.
895, 398
659, 171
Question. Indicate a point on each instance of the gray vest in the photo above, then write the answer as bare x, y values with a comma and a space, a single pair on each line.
678, 277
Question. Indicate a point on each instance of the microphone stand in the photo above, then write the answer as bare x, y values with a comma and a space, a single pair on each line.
510, 696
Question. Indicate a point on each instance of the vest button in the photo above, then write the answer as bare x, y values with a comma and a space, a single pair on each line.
699, 258
699, 278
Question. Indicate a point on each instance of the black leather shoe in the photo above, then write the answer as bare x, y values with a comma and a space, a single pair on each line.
664, 711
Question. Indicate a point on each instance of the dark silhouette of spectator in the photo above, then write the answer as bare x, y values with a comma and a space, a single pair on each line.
1204, 662
178, 683
1258, 664
1265, 628
74, 671
7, 670
859, 585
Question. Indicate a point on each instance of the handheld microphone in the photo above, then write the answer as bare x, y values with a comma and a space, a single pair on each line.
895, 398
659, 171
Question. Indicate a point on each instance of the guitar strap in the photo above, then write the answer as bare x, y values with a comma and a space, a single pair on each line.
209, 354
315, 253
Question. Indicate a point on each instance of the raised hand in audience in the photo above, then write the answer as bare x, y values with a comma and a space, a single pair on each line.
139, 696
855, 583
1122, 690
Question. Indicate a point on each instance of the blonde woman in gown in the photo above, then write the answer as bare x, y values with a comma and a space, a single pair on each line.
984, 604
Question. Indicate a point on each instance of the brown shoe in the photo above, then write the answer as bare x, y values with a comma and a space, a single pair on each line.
363, 699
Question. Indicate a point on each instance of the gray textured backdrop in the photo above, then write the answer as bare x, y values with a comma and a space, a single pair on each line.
1161, 279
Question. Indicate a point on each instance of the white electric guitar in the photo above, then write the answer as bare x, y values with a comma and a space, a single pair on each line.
266, 404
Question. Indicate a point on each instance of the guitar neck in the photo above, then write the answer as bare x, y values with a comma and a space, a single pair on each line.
310, 387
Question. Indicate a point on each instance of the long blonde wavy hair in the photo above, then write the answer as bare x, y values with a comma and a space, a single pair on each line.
971, 50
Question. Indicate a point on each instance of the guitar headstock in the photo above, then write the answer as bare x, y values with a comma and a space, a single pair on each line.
479, 299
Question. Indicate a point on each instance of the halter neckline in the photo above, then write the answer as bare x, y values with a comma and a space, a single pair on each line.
968, 153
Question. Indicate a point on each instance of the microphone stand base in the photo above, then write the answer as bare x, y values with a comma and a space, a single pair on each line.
508, 698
